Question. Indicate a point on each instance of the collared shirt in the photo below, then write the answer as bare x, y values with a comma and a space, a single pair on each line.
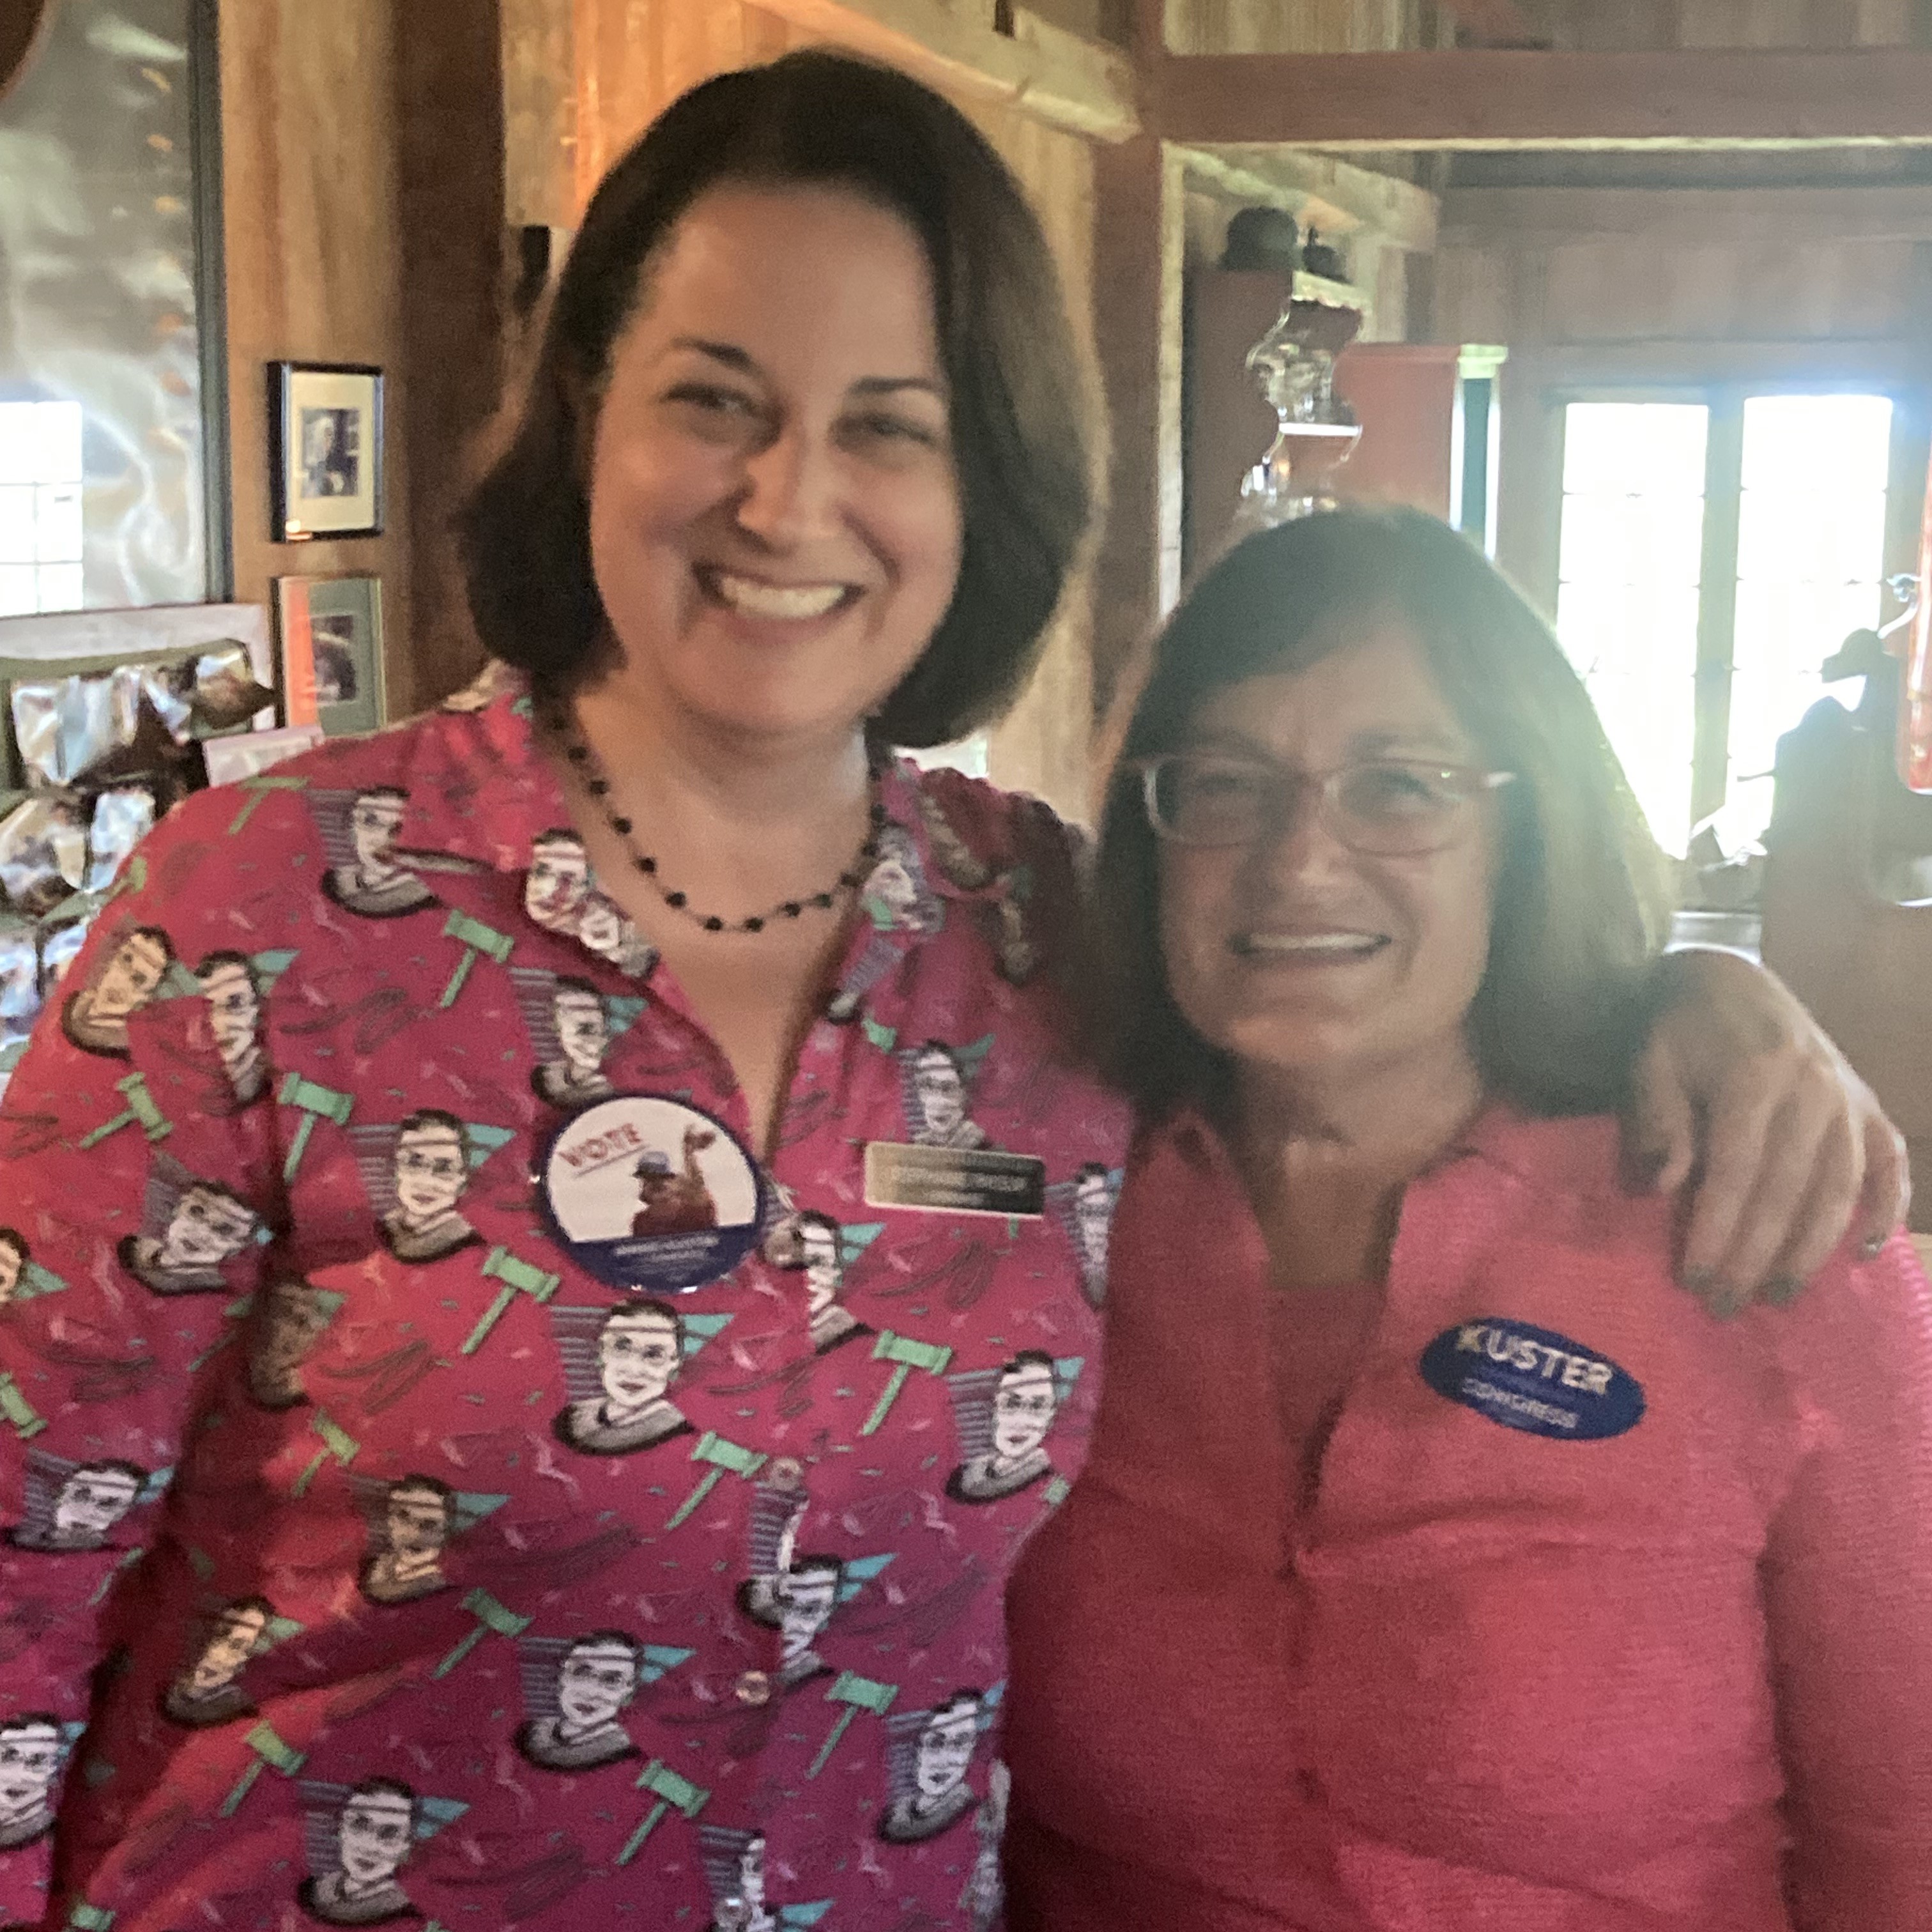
435, 1500
1598, 1613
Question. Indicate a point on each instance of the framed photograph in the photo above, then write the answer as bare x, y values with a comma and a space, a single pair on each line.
331, 630
325, 450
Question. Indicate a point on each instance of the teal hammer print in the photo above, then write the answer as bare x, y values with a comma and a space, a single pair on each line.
140, 1112
476, 938
269, 1749
490, 1615
317, 1102
724, 1456
857, 1694
906, 1355
518, 1277
669, 1790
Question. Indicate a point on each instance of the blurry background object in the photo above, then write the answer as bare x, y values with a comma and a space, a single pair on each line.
1914, 740
230, 760
112, 395
107, 718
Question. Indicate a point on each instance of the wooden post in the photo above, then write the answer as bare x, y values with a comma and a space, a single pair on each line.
449, 122
1138, 245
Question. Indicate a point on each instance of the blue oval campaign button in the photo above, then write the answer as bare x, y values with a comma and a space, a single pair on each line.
1533, 1379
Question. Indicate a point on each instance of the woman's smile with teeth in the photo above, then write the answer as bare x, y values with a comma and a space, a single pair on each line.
1308, 945
752, 598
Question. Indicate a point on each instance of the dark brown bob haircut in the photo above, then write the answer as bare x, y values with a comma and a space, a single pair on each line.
1580, 906
1021, 438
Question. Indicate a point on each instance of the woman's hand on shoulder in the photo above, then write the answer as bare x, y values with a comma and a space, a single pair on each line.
1739, 1093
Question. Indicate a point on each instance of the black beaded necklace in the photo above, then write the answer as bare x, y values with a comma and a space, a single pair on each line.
591, 775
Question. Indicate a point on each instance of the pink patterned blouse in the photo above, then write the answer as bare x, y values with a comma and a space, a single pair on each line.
446, 1476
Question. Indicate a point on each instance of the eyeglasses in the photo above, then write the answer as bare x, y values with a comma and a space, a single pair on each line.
1388, 808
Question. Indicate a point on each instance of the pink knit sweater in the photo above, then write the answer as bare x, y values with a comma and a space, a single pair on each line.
1601, 1616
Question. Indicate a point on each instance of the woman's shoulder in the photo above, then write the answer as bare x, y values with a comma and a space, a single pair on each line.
431, 754
979, 831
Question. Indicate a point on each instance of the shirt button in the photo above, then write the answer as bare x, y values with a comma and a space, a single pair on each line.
787, 1473
753, 1688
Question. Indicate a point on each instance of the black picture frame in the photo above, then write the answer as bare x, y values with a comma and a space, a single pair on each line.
325, 451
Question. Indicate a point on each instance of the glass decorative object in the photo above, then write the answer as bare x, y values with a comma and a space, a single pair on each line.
1315, 431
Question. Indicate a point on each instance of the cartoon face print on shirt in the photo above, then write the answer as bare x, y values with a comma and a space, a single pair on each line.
125, 978
228, 985
895, 895
292, 1322
571, 1025
416, 1172
822, 1249
619, 1364
359, 834
1083, 1207
559, 896
33, 1750
72, 1506
13, 1263
985, 1897
207, 1690
558, 881
1003, 1417
359, 1837
935, 1087
576, 1690
734, 1868
577, 1699
191, 1229
930, 1754
796, 1594
411, 1524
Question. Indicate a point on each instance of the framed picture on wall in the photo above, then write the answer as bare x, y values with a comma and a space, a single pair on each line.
331, 634
325, 450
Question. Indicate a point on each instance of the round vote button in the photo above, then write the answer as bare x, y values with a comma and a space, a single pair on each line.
645, 1191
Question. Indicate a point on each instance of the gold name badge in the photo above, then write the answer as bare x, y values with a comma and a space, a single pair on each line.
954, 1180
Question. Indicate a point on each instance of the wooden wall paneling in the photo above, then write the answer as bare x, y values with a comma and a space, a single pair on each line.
539, 113
314, 247
1733, 265
449, 96
1503, 98
1593, 24
1139, 193
1289, 26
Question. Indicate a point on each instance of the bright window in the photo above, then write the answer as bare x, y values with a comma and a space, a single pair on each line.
40, 508
1782, 500
1629, 583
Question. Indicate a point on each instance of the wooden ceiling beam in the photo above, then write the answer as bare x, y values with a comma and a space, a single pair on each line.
1322, 191
1056, 76
1508, 98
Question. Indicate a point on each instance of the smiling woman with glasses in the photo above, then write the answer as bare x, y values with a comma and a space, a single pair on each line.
1436, 1566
